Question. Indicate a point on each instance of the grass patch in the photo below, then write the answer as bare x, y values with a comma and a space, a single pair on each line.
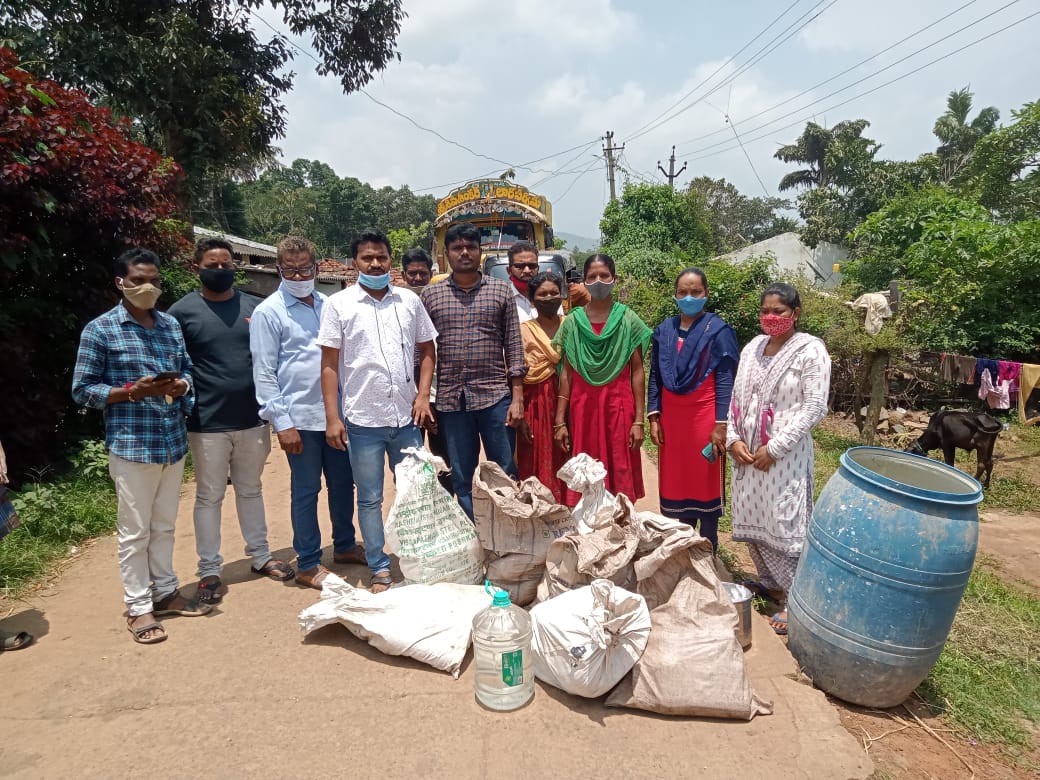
828, 448
1011, 493
987, 680
57, 514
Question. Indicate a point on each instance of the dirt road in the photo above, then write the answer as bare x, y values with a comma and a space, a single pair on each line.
240, 694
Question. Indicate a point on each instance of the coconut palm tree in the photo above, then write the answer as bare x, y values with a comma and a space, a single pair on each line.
957, 135
832, 154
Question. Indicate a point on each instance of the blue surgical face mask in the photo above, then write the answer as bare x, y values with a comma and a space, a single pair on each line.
691, 306
372, 282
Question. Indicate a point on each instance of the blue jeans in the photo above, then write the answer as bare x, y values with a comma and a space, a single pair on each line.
306, 469
369, 447
464, 432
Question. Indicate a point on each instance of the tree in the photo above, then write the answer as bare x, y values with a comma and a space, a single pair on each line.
403, 239
737, 220
970, 279
649, 221
309, 198
195, 77
1004, 172
834, 155
75, 190
957, 135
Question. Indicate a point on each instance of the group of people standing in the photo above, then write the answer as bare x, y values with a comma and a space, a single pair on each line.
349, 381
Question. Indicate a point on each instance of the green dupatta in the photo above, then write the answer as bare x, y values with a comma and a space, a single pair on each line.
599, 359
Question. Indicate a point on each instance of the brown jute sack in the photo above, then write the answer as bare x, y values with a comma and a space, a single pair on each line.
516, 525
693, 663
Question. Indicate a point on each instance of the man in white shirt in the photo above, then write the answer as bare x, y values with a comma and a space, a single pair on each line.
369, 334
523, 265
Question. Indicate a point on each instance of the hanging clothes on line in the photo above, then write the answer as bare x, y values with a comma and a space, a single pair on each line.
1009, 370
985, 364
1028, 383
964, 371
993, 393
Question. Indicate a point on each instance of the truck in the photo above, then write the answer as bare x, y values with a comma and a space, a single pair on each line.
504, 212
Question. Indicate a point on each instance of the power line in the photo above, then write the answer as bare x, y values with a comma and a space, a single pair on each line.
576, 180
748, 156
761, 54
418, 125
864, 94
718, 69
832, 78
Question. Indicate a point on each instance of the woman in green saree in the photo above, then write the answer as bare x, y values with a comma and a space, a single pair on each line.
602, 383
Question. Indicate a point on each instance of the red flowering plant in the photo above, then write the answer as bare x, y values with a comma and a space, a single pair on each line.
75, 190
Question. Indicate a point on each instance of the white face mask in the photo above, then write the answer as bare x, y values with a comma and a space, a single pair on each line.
298, 288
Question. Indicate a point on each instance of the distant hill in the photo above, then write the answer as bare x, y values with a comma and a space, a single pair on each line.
582, 242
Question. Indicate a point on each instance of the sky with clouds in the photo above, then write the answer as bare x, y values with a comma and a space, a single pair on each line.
524, 80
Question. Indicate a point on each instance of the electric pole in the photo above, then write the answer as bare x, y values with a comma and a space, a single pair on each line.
671, 173
609, 151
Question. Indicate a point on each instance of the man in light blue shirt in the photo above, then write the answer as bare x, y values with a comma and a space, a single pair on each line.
283, 335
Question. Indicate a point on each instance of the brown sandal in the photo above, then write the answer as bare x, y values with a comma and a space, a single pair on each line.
140, 631
276, 570
187, 608
354, 555
312, 578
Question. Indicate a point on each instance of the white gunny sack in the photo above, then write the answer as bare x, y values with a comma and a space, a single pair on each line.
584, 641
427, 529
586, 475
430, 623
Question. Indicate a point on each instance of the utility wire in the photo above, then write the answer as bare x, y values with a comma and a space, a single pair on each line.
832, 78
798, 122
576, 180
748, 156
715, 72
869, 76
412, 121
761, 54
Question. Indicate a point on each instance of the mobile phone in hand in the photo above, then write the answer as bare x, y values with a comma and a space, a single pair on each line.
164, 376
708, 453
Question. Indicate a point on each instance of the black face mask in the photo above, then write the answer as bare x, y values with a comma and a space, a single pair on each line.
217, 279
547, 306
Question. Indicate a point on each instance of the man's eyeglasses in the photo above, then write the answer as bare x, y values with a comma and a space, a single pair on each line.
295, 272
525, 266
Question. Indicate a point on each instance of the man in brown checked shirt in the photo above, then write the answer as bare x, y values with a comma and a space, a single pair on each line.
480, 362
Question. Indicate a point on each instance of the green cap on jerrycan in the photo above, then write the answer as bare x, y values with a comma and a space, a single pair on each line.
501, 598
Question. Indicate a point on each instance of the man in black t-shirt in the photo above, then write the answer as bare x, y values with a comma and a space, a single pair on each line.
225, 431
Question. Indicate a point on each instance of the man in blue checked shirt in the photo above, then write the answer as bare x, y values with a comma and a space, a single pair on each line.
132, 363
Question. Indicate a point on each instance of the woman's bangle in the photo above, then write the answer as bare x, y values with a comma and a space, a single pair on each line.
637, 423
564, 397
559, 425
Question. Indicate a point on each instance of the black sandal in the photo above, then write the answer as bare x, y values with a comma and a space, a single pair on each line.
207, 592
191, 608
15, 642
276, 570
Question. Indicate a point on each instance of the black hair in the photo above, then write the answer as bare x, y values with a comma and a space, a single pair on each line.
370, 236
539, 279
461, 231
607, 260
136, 256
206, 244
416, 255
786, 293
694, 271
519, 247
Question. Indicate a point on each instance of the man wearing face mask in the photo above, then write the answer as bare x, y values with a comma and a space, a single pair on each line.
417, 269
133, 364
283, 336
369, 334
225, 431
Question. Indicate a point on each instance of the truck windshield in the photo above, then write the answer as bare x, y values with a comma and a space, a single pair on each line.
505, 235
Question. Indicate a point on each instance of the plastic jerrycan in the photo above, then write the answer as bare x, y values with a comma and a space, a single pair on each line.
502, 654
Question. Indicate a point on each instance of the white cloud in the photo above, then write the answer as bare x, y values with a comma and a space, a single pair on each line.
522, 81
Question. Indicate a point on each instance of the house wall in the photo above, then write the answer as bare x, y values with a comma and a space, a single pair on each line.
793, 256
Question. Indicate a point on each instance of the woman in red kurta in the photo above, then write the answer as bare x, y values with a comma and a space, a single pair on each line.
602, 383
691, 377
536, 454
